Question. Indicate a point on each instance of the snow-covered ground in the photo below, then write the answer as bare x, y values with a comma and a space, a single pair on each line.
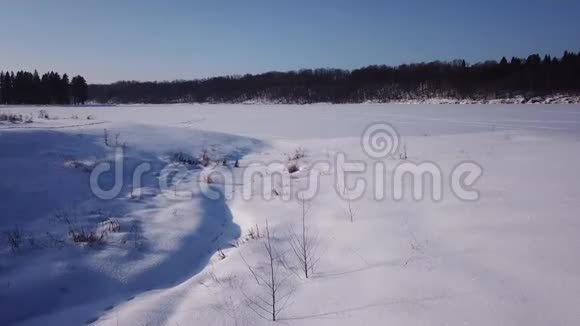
170, 255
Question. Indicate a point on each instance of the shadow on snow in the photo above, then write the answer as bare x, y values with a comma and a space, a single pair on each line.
65, 284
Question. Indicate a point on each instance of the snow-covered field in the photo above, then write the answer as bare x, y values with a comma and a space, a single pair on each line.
169, 255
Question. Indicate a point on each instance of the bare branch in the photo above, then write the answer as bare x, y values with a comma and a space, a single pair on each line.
270, 280
304, 246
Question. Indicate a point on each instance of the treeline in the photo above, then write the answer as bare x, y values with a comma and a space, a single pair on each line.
29, 88
528, 77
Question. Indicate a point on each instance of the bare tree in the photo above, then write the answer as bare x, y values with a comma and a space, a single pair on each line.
350, 212
304, 246
270, 277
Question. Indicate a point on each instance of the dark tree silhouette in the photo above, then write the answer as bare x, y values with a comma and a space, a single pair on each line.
528, 77
79, 90
29, 88
64, 90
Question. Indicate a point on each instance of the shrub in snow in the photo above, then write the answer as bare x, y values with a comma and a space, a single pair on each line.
184, 158
89, 233
10, 117
205, 159
209, 180
221, 254
14, 239
15, 118
298, 154
254, 234
42, 114
111, 225
81, 235
293, 167
235, 243
111, 141
403, 154
293, 159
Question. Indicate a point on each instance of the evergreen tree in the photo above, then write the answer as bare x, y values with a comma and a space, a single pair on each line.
7, 88
79, 90
24, 87
54, 87
36, 96
64, 90
2, 87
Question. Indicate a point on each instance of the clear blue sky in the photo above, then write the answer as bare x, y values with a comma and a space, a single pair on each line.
163, 40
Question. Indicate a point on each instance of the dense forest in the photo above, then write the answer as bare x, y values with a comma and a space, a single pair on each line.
29, 88
528, 77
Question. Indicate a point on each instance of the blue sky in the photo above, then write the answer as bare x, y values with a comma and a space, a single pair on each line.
163, 40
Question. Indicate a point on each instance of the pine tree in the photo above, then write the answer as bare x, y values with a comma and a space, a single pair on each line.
24, 87
79, 90
36, 88
54, 87
7, 88
2, 87
64, 90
